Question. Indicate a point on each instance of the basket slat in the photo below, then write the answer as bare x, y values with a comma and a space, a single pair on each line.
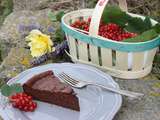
150, 57
138, 61
106, 56
72, 46
122, 60
94, 54
83, 51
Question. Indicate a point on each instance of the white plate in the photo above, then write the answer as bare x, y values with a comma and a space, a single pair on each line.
95, 103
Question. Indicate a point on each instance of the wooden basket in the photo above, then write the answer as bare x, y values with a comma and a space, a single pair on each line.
119, 59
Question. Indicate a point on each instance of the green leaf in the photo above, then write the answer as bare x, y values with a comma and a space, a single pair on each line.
16, 88
145, 36
157, 28
59, 35
147, 22
52, 16
6, 90
113, 14
137, 25
59, 15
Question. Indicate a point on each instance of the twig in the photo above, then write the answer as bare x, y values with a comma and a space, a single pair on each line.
61, 2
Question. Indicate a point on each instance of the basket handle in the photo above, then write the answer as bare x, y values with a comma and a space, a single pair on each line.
97, 13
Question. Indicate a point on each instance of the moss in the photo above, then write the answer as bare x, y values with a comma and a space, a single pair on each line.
6, 7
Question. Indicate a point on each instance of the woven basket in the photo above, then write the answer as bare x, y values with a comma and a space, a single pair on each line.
119, 59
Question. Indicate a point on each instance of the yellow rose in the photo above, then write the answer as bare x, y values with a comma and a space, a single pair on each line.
39, 43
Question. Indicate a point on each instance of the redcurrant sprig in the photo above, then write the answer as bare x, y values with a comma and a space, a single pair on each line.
23, 102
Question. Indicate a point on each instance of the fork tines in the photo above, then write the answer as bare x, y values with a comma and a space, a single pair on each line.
67, 78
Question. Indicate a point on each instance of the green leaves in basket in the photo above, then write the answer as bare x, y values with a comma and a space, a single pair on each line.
113, 14
157, 28
148, 23
137, 25
7, 90
145, 36
143, 27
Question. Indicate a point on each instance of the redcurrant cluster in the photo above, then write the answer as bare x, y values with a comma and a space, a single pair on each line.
111, 31
23, 102
126, 35
82, 24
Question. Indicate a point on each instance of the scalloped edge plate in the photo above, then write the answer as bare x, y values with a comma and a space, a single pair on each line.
95, 103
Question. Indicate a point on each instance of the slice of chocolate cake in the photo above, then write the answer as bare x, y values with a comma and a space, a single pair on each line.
48, 88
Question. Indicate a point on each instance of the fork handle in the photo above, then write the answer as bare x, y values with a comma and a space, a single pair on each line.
119, 91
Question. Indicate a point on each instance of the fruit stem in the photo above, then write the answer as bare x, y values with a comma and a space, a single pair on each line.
12, 100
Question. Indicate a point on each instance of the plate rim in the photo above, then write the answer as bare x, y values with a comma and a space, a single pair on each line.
116, 107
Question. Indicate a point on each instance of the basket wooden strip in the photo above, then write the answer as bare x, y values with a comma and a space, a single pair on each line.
150, 57
94, 54
83, 52
122, 60
72, 46
138, 61
106, 55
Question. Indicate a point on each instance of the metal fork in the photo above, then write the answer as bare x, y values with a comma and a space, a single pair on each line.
80, 84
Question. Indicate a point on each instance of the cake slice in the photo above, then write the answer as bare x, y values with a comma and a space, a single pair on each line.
48, 88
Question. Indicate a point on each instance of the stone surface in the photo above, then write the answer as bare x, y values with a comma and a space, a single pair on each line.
17, 61
147, 108
43, 4
5, 44
18, 24
28, 4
